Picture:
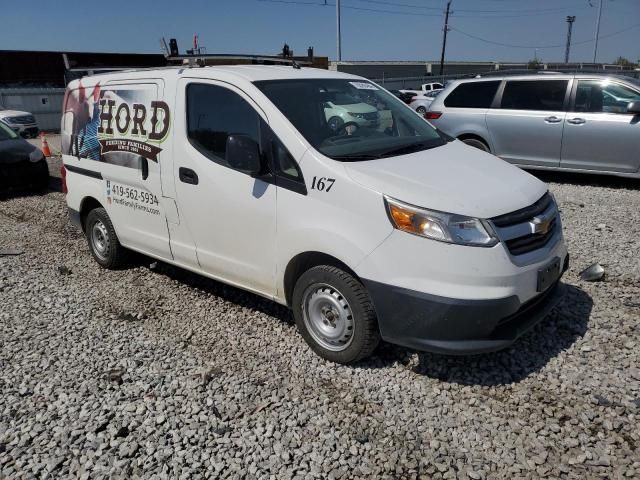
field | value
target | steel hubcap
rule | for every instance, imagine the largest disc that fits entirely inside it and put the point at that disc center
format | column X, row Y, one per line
column 100, row 239
column 328, row 317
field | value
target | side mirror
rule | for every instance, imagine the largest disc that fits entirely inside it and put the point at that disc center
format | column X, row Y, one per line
column 243, row 154
column 633, row 107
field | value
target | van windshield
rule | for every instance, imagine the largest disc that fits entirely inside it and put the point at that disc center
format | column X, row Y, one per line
column 351, row 120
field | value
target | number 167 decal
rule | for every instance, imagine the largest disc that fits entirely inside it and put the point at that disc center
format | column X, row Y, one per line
column 322, row 184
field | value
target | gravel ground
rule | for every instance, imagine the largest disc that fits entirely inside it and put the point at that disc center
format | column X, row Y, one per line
column 153, row 372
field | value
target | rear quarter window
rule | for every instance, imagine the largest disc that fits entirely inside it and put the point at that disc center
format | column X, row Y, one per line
column 473, row 95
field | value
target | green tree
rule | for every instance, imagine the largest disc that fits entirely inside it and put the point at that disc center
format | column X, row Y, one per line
column 534, row 64
column 623, row 61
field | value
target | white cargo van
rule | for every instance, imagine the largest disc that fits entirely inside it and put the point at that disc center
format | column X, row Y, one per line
column 390, row 230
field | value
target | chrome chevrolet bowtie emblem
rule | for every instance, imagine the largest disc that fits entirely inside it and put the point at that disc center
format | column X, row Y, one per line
column 541, row 224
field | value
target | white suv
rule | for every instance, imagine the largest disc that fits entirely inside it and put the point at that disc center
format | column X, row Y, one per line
column 23, row 123
column 342, row 109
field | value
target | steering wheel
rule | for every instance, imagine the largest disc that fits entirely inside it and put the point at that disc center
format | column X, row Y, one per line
column 343, row 128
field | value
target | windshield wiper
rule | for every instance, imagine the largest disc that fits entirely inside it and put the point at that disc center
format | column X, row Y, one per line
column 405, row 149
column 355, row 157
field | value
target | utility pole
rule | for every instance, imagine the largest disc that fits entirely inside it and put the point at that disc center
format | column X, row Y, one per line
column 444, row 39
column 595, row 46
column 570, row 20
column 339, row 39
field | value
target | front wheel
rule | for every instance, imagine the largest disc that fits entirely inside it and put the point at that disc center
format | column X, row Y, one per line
column 421, row 110
column 335, row 315
column 103, row 242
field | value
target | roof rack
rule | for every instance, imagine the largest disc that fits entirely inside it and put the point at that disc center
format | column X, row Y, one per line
column 201, row 60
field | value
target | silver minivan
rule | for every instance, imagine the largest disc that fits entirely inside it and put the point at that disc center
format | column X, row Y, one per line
column 583, row 123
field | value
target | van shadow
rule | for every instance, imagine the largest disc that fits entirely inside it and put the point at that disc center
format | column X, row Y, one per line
column 555, row 334
column 587, row 179
column 221, row 290
column 529, row 354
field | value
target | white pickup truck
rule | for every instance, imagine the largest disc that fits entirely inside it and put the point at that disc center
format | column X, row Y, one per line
column 425, row 88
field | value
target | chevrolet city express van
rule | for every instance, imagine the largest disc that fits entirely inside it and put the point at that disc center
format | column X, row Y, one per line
column 393, row 231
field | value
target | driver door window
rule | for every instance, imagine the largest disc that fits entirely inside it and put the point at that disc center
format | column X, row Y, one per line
column 598, row 96
column 214, row 113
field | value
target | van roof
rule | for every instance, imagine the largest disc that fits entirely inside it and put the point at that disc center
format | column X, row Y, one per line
column 249, row 73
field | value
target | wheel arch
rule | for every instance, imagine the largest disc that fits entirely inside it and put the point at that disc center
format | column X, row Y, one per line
column 87, row 204
column 475, row 136
column 303, row 262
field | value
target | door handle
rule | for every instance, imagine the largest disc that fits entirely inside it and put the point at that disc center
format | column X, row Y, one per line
column 576, row 121
column 553, row 119
column 187, row 175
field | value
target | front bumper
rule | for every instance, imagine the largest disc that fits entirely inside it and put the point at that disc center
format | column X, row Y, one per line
column 25, row 130
column 452, row 299
column 456, row 327
column 29, row 131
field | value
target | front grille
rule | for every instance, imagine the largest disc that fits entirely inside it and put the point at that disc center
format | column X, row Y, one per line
column 519, row 246
column 525, row 214
column 370, row 116
column 519, row 230
column 23, row 120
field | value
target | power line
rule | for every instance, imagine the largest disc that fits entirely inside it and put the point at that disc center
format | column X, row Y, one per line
column 542, row 46
column 468, row 10
column 350, row 7
column 398, row 12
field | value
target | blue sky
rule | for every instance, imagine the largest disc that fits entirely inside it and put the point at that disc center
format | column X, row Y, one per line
column 253, row 26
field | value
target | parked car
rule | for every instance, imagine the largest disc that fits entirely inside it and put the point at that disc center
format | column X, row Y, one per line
column 22, row 166
column 404, row 96
column 343, row 108
column 23, row 123
column 583, row 123
column 402, row 234
column 421, row 103
column 425, row 88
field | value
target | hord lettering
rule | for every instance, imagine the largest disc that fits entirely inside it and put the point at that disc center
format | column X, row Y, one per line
column 130, row 119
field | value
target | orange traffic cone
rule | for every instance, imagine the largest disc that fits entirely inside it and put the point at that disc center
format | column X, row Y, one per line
column 46, row 151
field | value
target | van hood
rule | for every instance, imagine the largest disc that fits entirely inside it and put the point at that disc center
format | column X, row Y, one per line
column 454, row 178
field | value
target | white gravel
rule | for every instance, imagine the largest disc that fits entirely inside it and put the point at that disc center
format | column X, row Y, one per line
column 158, row 373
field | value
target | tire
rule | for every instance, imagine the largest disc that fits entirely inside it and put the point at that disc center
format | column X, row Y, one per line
column 335, row 123
column 103, row 241
column 421, row 110
column 334, row 315
column 476, row 143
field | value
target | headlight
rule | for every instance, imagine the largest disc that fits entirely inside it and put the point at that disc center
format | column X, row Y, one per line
column 36, row 155
column 355, row 115
column 444, row 227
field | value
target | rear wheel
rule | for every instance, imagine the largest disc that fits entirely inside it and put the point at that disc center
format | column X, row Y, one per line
column 476, row 143
column 103, row 242
column 421, row 110
column 335, row 315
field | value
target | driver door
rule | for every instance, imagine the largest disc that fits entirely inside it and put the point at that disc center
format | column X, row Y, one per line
column 231, row 215
column 599, row 134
